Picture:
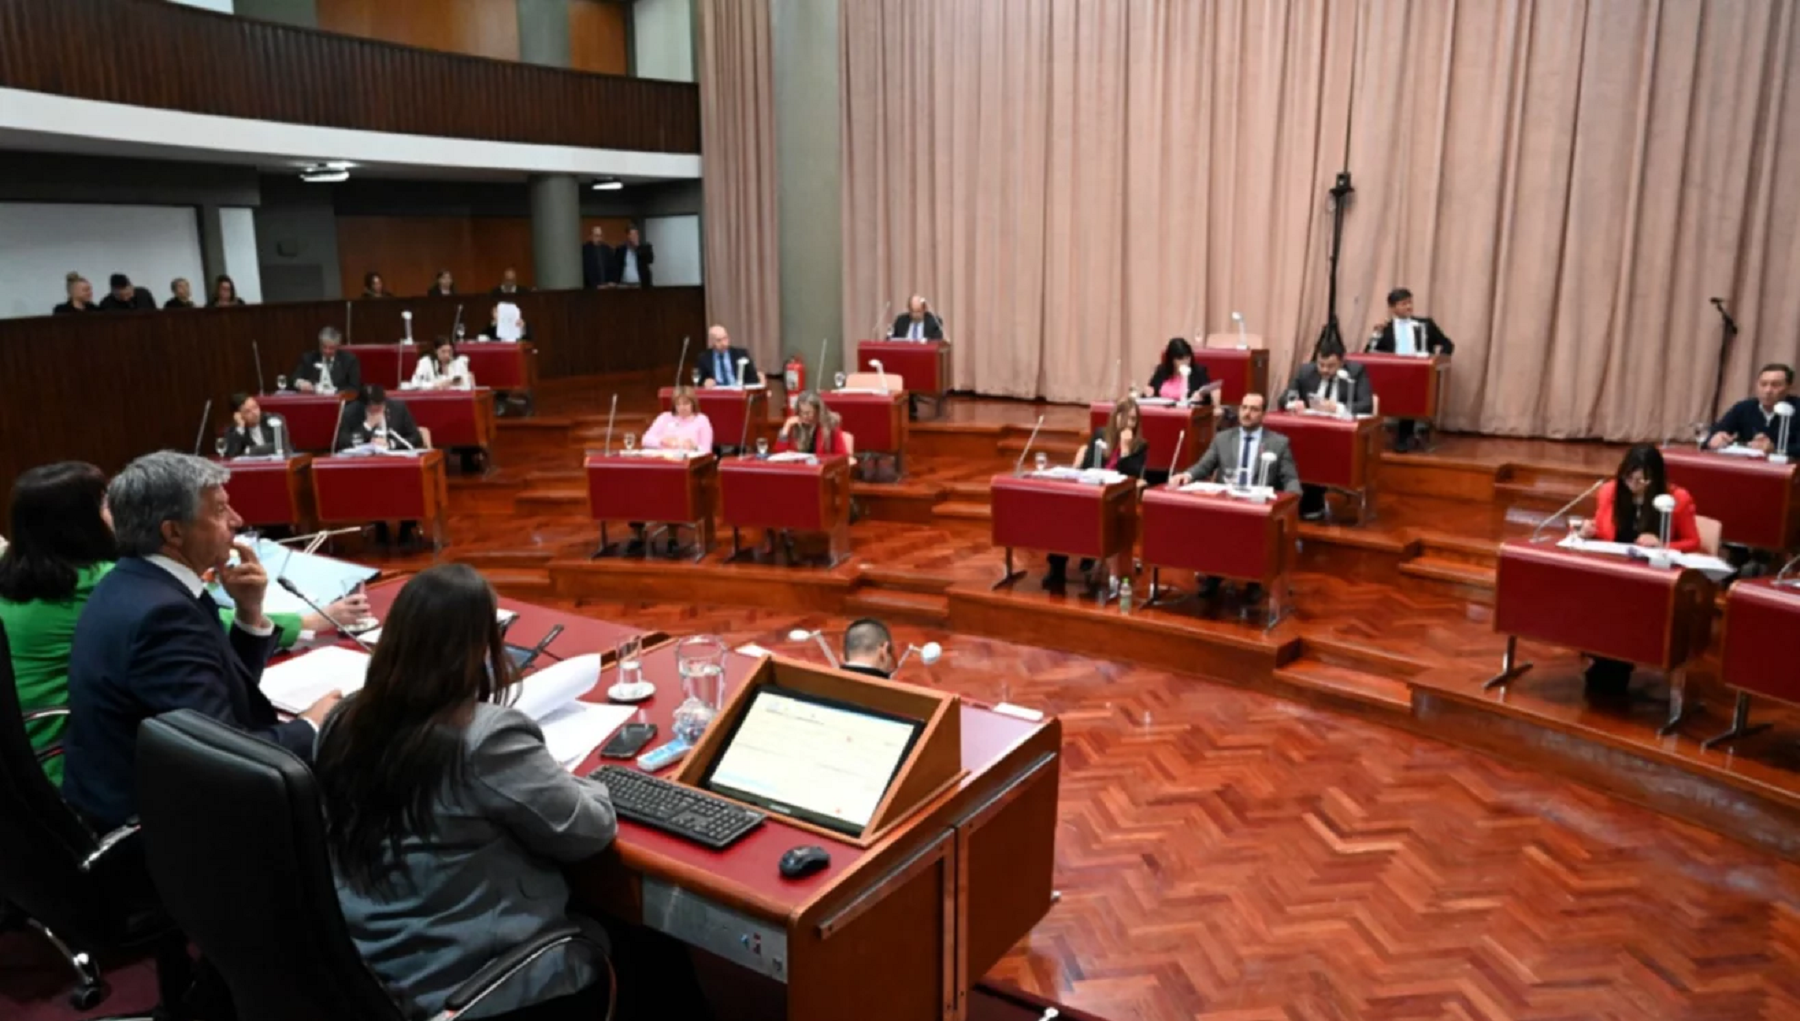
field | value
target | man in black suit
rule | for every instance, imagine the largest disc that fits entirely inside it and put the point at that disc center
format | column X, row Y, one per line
column 869, row 648
column 919, row 322
column 718, row 364
column 596, row 260
column 328, row 370
column 249, row 435
column 509, row 285
column 125, row 297
column 631, row 262
column 1406, row 334
column 379, row 422
column 1330, row 384
column 1755, row 421
column 149, row 640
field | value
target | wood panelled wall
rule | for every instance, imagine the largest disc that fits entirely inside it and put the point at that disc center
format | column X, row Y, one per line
column 408, row 251
column 158, row 54
column 481, row 28
column 110, row 386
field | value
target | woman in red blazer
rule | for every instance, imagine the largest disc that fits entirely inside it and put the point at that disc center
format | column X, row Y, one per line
column 1626, row 512
column 812, row 429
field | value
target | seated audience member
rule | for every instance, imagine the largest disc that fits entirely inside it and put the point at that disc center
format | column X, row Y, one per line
column 249, row 435
column 1752, row 422
column 442, row 286
column 682, row 428
column 448, row 820
column 1242, row 447
column 1406, row 335
column 65, row 546
column 596, row 260
column 329, row 369
column 126, row 298
column 182, row 294
column 224, row 293
column 1330, row 384
column 718, row 364
column 506, row 322
column 1625, row 511
column 1119, row 447
column 1166, row 381
column 813, row 430
column 149, row 640
column 869, row 648
column 631, row 262
column 80, row 296
column 374, row 286
column 509, row 284
column 918, row 323
column 378, row 422
column 443, row 369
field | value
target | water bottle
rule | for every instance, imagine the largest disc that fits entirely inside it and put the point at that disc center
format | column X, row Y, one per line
column 1125, row 597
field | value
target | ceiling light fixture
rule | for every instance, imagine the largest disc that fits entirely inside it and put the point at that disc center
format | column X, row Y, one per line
column 609, row 184
column 325, row 173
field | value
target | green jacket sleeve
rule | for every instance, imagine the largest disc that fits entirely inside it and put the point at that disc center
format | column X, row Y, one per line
column 287, row 625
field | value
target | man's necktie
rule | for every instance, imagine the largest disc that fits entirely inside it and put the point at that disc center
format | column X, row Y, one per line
column 1244, row 458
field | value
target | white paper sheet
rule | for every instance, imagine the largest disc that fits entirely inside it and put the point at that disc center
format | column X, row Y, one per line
column 297, row 683
column 573, row 732
column 556, row 685
column 1739, row 450
column 1711, row 566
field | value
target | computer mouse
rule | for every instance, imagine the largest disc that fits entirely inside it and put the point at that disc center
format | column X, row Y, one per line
column 804, row 860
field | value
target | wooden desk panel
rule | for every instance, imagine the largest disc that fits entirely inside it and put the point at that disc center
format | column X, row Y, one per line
column 1055, row 516
column 1408, row 386
column 1220, row 535
column 312, row 419
column 1756, row 503
column 357, row 490
column 923, row 365
column 878, row 422
column 1610, row 606
column 1336, row 452
column 1240, row 370
column 272, row 492
column 455, row 418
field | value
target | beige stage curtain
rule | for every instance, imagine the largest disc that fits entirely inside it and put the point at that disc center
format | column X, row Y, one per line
column 737, row 139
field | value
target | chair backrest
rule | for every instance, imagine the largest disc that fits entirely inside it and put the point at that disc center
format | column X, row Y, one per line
column 234, row 837
column 1253, row 341
column 874, row 381
column 1712, row 530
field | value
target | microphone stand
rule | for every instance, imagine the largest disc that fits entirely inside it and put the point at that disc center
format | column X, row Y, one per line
column 200, row 437
column 1564, row 509
column 606, row 447
column 680, row 363
column 1175, row 458
column 1340, row 192
column 1731, row 331
column 1019, row 465
column 257, row 352
column 285, row 582
column 744, row 437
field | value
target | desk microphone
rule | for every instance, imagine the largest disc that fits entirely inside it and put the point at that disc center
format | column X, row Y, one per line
column 744, row 437
column 1175, row 458
column 1567, row 507
column 349, row 322
column 200, row 437
column 1019, row 465
column 1785, row 412
column 400, row 363
column 929, row 653
column 1268, row 465
column 456, row 324
column 540, row 649
column 336, row 435
column 884, row 327
column 742, row 382
column 606, row 448
column 257, row 353
column 882, row 372
column 801, row 635
column 1243, row 341
column 287, row 583
column 406, row 317
column 1098, row 458
column 1665, row 508
column 1345, row 406
column 680, row 363
column 1781, row 575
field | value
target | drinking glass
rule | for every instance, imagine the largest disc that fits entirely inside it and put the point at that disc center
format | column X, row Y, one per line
column 1040, row 461
column 631, row 666
column 219, row 445
column 1575, row 524
column 694, row 375
column 700, row 660
column 280, row 383
column 838, row 380
column 762, row 446
column 630, row 442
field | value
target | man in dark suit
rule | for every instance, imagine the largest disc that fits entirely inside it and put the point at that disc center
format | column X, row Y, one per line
column 596, row 260
column 1406, row 334
column 328, row 370
column 919, row 322
column 125, row 297
column 379, row 422
column 249, row 435
column 1329, row 383
column 149, row 640
column 1754, row 421
column 631, row 262
column 1244, row 445
column 869, row 648
column 509, row 285
column 718, row 364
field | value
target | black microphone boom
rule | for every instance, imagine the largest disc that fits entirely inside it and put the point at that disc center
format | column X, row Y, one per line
column 287, row 583
column 200, row 437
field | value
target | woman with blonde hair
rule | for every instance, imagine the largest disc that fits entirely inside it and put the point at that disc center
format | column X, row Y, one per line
column 1118, row 446
column 814, row 429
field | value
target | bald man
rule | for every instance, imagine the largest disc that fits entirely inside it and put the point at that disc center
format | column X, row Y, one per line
column 919, row 322
column 718, row 364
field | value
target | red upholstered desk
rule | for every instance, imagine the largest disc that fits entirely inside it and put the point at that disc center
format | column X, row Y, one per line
column 790, row 496
column 1222, row 536
column 1762, row 619
column 727, row 408
column 580, row 635
column 1756, row 502
column 356, row 490
column 923, row 365
column 1163, row 426
column 1058, row 516
column 1336, row 452
column 272, row 492
column 455, row 418
column 495, row 364
column 642, row 487
column 1611, row 606
column 1408, row 386
column 312, row 419
column 877, row 421
column 1241, row 370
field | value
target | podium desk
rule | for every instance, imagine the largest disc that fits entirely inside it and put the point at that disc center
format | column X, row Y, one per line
column 788, row 496
column 1163, row 425
column 646, row 487
column 496, row 364
column 1755, row 502
column 1757, row 655
column 924, row 365
column 455, row 418
column 1061, row 516
column 267, row 492
column 728, row 408
column 383, row 487
column 1240, row 370
column 878, row 421
column 1337, row 452
column 1408, row 386
column 1222, row 536
column 312, row 419
column 896, row 931
column 1612, row 606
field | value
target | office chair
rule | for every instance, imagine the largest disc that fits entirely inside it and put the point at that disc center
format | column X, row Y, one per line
column 83, row 894
column 234, row 836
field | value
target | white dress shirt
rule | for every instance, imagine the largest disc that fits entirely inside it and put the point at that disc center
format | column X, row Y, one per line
column 628, row 270
column 1404, row 342
column 191, row 581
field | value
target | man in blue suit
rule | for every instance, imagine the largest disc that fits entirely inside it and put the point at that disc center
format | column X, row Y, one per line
column 149, row 639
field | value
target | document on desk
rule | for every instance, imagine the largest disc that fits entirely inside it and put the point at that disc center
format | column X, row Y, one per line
column 1711, row 566
column 572, row 728
column 297, row 683
column 323, row 579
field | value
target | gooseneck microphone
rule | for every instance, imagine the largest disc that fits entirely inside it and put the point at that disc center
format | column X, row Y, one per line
column 287, row 583
column 680, row 363
column 1565, row 508
column 200, row 437
column 1019, row 465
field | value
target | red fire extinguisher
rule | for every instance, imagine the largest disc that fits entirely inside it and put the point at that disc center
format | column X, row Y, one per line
column 794, row 379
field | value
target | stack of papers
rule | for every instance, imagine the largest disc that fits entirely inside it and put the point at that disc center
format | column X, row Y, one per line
column 296, row 684
column 791, row 457
column 1090, row 476
column 1739, row 450
column 660, row 454
column 1155, row 402
column 1711, row 566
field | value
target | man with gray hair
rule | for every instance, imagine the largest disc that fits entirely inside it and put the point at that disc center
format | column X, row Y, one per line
column 149, row 640
column 328, row 370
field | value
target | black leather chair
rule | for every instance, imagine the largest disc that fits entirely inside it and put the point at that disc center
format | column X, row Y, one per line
column 234, row 836
column 87, row 895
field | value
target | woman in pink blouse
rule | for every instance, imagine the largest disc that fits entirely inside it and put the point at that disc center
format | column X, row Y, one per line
column 685, row 428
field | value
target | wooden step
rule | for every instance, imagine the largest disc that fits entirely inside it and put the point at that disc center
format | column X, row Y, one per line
column 1351, row 655
column 505, row 560
column 906, row 579
column 520, row 583
column 1452, row 571
column 892, row 603
column 965, row 510
column 1459, row 549
column 551, row 499
column 1346, row 684
column 1059, row 444
column 969, row 492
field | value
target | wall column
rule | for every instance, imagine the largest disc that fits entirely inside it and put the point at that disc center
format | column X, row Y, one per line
column 808, row 179
column 556, row 231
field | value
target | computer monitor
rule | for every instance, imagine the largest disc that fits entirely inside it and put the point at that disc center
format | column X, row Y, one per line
column 819, row 760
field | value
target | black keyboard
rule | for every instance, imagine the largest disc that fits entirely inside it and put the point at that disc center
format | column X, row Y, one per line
column 706, row 820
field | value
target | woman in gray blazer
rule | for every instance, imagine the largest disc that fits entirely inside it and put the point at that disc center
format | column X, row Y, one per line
column 449, row 821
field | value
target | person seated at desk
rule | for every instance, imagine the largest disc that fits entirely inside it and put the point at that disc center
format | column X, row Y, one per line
column 1404, row 334
column 149, row 640
column 443, row 369
column 328, row 370
column 683, row 428
column 249, row 435
column 65, row 546
column 375, row 421
column 442, row 286
column 1752, row 422
column 224, row 293
column 1236, row 458
column 509, row 284
column 1625, row 511
column 80, row 295
column 1120, row 447
column 1166, row 381
column 1330, row 384
column 374, row 286
column 919, row 322
column 869, row 648
column 718, row 366
column 125, row 297
column 182, row 294
column 813, row 429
